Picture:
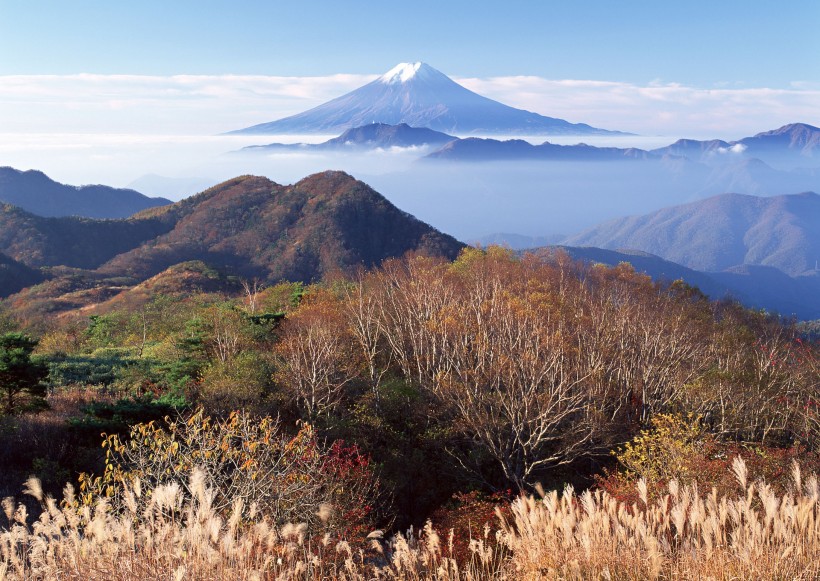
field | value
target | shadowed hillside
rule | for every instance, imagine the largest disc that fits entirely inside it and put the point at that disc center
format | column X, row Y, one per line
column 78, row 242
column 255, row 227
column 759, row 287
column 37, row 193
column 15, row 276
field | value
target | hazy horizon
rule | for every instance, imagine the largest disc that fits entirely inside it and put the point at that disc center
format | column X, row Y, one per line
column 116, row 94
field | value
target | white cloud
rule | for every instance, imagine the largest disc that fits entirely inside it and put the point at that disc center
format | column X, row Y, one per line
column 199, row 104
column 114, row 128
column 153, row 104
column 735, row 149
column 657, row 108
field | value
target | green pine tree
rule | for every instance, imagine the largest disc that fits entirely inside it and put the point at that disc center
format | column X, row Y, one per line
column 21, row 378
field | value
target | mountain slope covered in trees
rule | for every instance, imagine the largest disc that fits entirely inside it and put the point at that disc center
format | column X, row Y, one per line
column 255, row 227
column 249, row 227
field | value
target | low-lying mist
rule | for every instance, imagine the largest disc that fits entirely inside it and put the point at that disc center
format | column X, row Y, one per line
column 467, row 200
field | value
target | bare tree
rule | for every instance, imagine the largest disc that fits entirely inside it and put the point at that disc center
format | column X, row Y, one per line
column 252, row 289
column 316, row 356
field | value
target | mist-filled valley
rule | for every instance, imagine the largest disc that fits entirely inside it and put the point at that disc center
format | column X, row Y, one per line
column 466, row 199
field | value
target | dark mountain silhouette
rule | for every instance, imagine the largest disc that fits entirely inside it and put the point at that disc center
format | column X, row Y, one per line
column 421, row 96
column 477, row 149
column 722, row 232
column 373, row 136
column 755, row 286
column 35, row 192
column 790, row 146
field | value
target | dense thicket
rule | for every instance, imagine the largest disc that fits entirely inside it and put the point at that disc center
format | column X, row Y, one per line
column 488, row 373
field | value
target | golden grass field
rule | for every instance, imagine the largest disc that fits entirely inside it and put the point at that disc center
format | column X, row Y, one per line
column 165, row 534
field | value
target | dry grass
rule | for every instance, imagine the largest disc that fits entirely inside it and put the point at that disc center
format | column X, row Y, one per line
column 684, row 535
column 162, row 534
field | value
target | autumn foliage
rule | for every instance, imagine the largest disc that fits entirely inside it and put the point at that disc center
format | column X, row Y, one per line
column 450, row 390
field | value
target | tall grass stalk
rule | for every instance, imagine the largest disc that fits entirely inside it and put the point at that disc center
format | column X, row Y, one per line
column 165, row 533
column 686, row 534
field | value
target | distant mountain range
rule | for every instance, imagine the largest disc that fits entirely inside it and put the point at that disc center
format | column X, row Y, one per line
column 696, row 168
column 516, row 241
column 763, row 251
column 478, row 149
column 722, row 232
column 248, row 226
column 755, row 286
column 367, row 137
column 790, row 146
column 35, row 192
column 420, row 96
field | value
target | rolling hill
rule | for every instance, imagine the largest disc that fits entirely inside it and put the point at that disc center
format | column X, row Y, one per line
column 35, row 192
column 248, row 226
column 722, row 232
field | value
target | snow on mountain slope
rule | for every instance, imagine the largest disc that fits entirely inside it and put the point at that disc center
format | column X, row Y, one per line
column 421, row 96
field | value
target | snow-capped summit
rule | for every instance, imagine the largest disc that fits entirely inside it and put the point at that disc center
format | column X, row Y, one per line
column 420, row 96
column 400, row 73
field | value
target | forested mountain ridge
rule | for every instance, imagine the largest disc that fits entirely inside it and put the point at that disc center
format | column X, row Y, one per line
column 247, row 226
column 256, row 227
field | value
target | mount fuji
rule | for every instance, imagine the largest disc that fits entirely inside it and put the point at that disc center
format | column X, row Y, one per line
column 420, row 96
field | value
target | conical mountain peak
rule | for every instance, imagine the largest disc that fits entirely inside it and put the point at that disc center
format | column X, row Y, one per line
column 420, row 96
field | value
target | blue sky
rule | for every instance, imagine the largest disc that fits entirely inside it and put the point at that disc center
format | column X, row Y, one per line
column 703, row 44
column 103, row 91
